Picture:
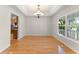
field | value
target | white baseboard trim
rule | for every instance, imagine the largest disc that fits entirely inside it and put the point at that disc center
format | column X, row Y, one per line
column 67, row 45
column 38, row 35
column 4, row 49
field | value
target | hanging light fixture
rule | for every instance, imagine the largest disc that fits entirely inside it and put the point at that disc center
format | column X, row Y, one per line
column 38, row 12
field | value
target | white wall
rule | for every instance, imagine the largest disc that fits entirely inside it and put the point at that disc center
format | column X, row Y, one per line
column 41, row 26
column 5, row 15
column 21, row 21
column 64, row 12
column 4, row 27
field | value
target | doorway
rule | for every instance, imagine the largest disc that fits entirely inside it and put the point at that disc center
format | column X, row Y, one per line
column 14, row 27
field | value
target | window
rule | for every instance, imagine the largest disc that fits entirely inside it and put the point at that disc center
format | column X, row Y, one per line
column 61, row 24
column 69, row 25
column 73, row 26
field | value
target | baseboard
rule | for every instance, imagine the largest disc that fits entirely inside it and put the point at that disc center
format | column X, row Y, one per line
column 21, row 37
column 68, row 46
column 38, row 35
column 4, row 49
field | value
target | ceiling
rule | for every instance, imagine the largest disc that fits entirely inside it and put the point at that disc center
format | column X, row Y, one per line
column 48, row 10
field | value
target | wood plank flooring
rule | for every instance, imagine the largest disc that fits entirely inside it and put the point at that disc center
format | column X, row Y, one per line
column 36, row 45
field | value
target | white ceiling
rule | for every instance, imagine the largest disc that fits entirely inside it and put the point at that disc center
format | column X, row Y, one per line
column 48, row 10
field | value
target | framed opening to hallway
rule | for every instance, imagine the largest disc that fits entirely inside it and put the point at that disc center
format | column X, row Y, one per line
column 14, row 26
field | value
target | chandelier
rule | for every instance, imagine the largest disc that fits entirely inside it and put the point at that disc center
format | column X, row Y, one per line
column 38, row 12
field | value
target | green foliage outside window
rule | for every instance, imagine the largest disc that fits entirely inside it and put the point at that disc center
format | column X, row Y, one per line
column 62, row 25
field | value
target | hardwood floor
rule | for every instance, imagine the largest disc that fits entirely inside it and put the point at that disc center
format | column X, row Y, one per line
column 36, row 45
